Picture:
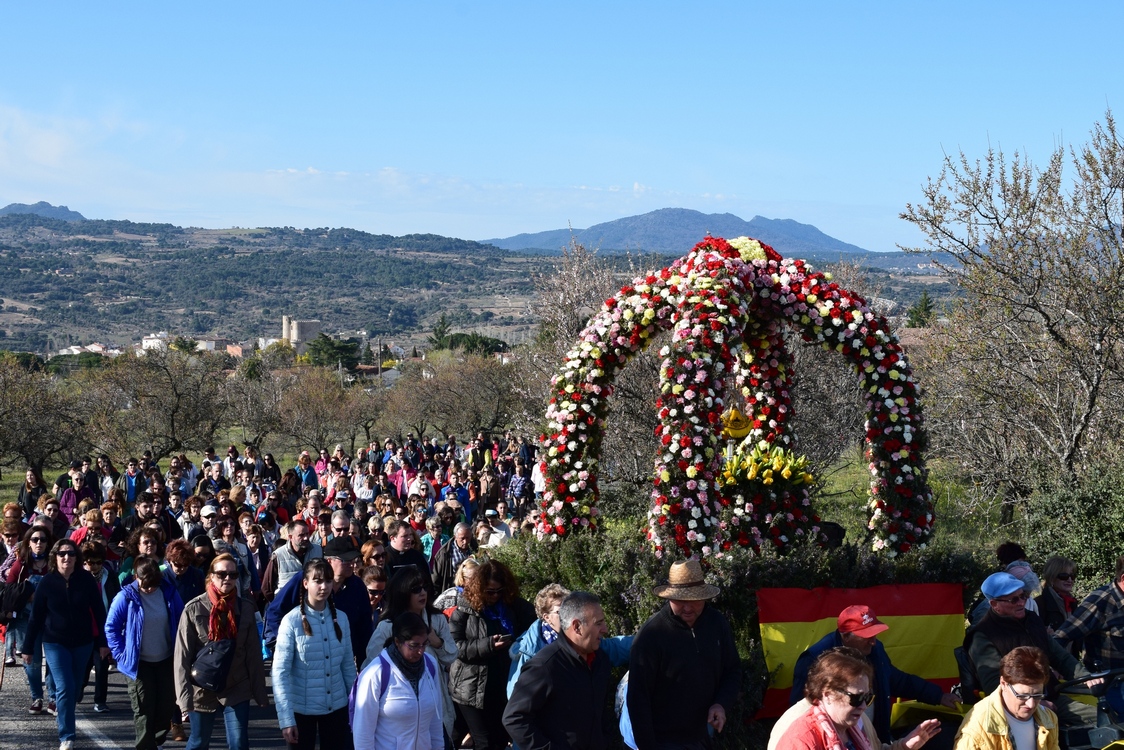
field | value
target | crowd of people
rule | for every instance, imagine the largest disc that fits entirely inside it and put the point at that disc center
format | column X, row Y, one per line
column 363, row 587
column 362, row 584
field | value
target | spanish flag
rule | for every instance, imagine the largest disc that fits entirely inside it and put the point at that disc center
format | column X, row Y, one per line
column 926, row 622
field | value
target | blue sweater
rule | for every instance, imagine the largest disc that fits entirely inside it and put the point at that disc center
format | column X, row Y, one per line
column 889, row 681
column 125, row 624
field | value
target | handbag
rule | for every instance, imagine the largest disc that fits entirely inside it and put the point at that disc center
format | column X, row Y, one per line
column 212, row 662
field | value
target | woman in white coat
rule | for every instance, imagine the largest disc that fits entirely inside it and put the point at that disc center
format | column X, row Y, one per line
column 406, row 592
column 313, row 666
column 397, row 698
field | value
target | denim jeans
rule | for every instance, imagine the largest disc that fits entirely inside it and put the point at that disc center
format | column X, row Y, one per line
column 68, row 665
column 237, row 721
column 34, row 670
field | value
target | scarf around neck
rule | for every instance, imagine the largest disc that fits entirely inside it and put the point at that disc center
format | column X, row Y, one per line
column 411, row 671
column 221, row 625
column 829, row 736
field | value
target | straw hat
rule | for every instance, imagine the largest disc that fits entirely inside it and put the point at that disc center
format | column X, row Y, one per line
column 685, row 583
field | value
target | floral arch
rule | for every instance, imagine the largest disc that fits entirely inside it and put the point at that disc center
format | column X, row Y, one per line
column 724, row 482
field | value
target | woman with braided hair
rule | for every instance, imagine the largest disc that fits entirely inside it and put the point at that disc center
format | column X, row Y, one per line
column 217, row 615
column 313, row 666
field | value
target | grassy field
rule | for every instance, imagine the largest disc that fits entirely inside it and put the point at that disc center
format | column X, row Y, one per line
column 962, row 515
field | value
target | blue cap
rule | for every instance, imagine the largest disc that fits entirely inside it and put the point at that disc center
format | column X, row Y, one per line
column 1000, row 584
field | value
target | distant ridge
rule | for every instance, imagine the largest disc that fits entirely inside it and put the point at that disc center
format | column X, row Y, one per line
column 42, row 208
column 676, row 230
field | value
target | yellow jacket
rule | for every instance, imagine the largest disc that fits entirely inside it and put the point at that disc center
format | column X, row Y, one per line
column 985, row 727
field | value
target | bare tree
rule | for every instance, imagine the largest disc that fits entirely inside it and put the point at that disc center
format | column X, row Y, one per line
column 166, row 401
column 313, row 409
column 40, row 418
column 1025, row 374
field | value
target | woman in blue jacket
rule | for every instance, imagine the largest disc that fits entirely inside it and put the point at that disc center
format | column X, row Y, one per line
column 313, row 666
column 141, row 630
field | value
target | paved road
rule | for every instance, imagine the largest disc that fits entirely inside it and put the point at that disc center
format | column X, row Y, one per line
column 112, row 730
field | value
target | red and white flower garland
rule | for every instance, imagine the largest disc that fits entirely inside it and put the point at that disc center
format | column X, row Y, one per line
column 717, row 296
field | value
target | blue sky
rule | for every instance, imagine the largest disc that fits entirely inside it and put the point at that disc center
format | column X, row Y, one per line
column 488, row 119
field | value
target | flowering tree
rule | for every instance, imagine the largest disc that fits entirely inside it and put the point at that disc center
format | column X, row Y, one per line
column 718, row 299
column 1025, row 379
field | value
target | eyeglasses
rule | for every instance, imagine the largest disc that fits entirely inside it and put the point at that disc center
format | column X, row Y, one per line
column 225, row 574
column 337, row 530
column 1021, row 597
column 67, row 553
column 858, row 699
column 414, row 646
column 493, row 592
column 1025, row 697
column 1065, row 576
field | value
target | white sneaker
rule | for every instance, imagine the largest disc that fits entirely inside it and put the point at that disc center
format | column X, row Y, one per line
column 66, row 745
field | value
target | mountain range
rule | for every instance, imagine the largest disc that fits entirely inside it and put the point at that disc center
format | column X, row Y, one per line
column 676, row 230
column 42, row 208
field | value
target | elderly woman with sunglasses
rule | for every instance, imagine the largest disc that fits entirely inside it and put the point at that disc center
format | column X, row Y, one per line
column 66, row 607
column 831, row 716
column 1056, row 602
column 219, row 614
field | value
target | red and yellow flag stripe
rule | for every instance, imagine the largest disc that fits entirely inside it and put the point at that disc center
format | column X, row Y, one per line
column 926, row 622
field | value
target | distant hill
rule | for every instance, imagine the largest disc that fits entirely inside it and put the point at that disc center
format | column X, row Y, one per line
column 676, row 230
column 42, row 208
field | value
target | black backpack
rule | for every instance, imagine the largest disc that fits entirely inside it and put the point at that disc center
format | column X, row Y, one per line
column 212, row 663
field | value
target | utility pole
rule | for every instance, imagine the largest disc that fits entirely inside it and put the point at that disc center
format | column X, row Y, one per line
column 378, row 357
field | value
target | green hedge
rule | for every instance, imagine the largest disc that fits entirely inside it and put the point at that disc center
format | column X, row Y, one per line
column 1080, row 519
column 619, row 566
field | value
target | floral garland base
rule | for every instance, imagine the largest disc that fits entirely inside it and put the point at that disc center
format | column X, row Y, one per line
column 725, row 303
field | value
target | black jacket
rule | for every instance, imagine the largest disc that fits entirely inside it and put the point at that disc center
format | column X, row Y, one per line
column 559, row 701
column 444, row 573
column 396, row 560
column 677, row 673
column 69, row 613
column 478, row 661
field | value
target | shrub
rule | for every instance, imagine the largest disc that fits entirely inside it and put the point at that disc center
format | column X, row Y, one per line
column 1080, row 519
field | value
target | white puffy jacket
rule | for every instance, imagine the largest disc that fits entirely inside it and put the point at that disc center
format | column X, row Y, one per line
column 312, row 674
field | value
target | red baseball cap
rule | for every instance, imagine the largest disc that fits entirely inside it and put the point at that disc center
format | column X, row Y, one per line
column 860, row 620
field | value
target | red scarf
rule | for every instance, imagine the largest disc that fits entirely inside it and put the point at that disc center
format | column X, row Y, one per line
column 222, row 624
column 829, row 735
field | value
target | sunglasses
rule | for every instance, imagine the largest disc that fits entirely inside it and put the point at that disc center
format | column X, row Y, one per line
column 1065, row 576
column 494, row 592
column 67, row 553
column 375, row 592
column 225, row 574
column 1015, row 599
column 1024, row 697
column 379, row 556
column 417, row 589
column 859, row 699
column 38, row 540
